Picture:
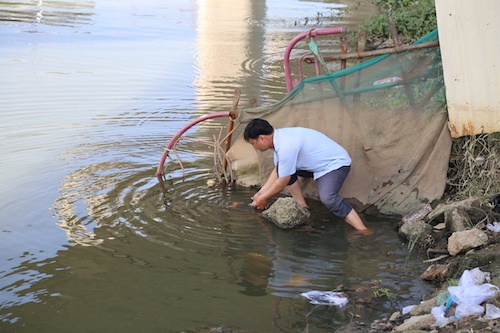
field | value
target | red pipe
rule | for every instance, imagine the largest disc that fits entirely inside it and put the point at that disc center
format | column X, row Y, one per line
column 311, row 33
column 173, row 141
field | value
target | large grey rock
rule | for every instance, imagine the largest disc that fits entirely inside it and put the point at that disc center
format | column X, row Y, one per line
column 286, row 213
column 462, row 241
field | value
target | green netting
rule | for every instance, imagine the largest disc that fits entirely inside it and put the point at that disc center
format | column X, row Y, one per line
column 388, row 112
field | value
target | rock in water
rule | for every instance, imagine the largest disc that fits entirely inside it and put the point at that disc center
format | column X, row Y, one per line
column 286, row 213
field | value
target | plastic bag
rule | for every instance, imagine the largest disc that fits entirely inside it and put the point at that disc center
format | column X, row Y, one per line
column 407, row 309
column 495, row 226
column 471, row 292
column 473, row 277
column 465, row 310
column 326, row 298
column 492, row 312
column 438, row 312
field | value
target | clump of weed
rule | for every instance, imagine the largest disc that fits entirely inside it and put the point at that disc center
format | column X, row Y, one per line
column 412, row 18
column 474, row 168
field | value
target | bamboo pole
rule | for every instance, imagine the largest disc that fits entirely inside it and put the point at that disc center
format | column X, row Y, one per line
column 233, row 114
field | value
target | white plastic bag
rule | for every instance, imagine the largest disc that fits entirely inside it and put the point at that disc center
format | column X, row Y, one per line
column 407, row 309
column 466, row 310
column 438, row 312
column 473, row 277
column 471, row 292
column 326, row 298
column 492, row 312
column 495, row 226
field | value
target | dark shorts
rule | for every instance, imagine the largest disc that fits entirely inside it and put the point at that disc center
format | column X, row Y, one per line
column 328, row 187
column 301, row 173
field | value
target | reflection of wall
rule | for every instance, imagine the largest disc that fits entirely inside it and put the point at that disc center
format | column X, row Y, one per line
column 230, row 36
column 60, row 13
column 222, row 38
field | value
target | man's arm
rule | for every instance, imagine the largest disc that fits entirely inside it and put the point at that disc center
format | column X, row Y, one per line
column 273, row 186
column 270, row 180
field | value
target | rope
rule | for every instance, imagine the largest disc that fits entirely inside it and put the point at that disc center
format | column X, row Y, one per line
column 314, row 49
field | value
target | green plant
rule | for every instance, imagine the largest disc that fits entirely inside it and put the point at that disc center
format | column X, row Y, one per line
column 321, row 18
column 412, row 242
column 378, row 291
column 412, row 18
column 452, row 282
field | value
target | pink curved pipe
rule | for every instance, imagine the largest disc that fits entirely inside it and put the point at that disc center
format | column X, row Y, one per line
column 175, row 138
column 288, row 50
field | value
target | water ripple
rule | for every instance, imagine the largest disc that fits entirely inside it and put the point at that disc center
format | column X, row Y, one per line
column 67, row 14
column 106, row 203
column 114, row 197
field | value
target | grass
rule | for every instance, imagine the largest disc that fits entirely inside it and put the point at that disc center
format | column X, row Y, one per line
column 474, row 168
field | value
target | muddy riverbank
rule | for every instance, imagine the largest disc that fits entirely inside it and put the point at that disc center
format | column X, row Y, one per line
column 455, row 238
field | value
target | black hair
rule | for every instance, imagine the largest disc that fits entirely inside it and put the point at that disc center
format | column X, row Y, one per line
column 257, row 127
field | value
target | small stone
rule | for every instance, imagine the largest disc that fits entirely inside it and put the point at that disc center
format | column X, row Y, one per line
column 416, row 323
column 424, row 307
column 456, row 219
column 415, row 228
column 440, row 226
column 435, row 272
column 395, row 316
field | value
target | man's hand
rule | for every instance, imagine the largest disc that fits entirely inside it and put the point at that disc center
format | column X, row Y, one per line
column 259, row 202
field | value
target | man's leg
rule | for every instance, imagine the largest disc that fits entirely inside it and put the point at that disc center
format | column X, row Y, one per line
column 353, row 219
column 296, row 193
column 328, row 187
column 295, row 189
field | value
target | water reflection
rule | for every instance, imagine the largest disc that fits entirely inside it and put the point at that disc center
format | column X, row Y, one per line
column 229, row 34
column 47, row 12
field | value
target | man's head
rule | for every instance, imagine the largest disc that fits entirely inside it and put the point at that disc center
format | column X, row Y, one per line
column 259, row 133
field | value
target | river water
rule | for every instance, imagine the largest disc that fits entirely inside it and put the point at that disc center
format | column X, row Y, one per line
column 91, row 93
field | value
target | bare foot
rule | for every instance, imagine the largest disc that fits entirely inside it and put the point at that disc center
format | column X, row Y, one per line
column 355, row 233
column 366, row 232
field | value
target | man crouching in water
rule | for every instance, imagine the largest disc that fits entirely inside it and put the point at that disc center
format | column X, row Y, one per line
column 304, row 152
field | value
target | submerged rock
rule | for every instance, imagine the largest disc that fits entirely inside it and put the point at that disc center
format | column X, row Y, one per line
column 286, row 213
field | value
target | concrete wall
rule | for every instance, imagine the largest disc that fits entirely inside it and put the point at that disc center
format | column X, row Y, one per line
column 469, row 36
